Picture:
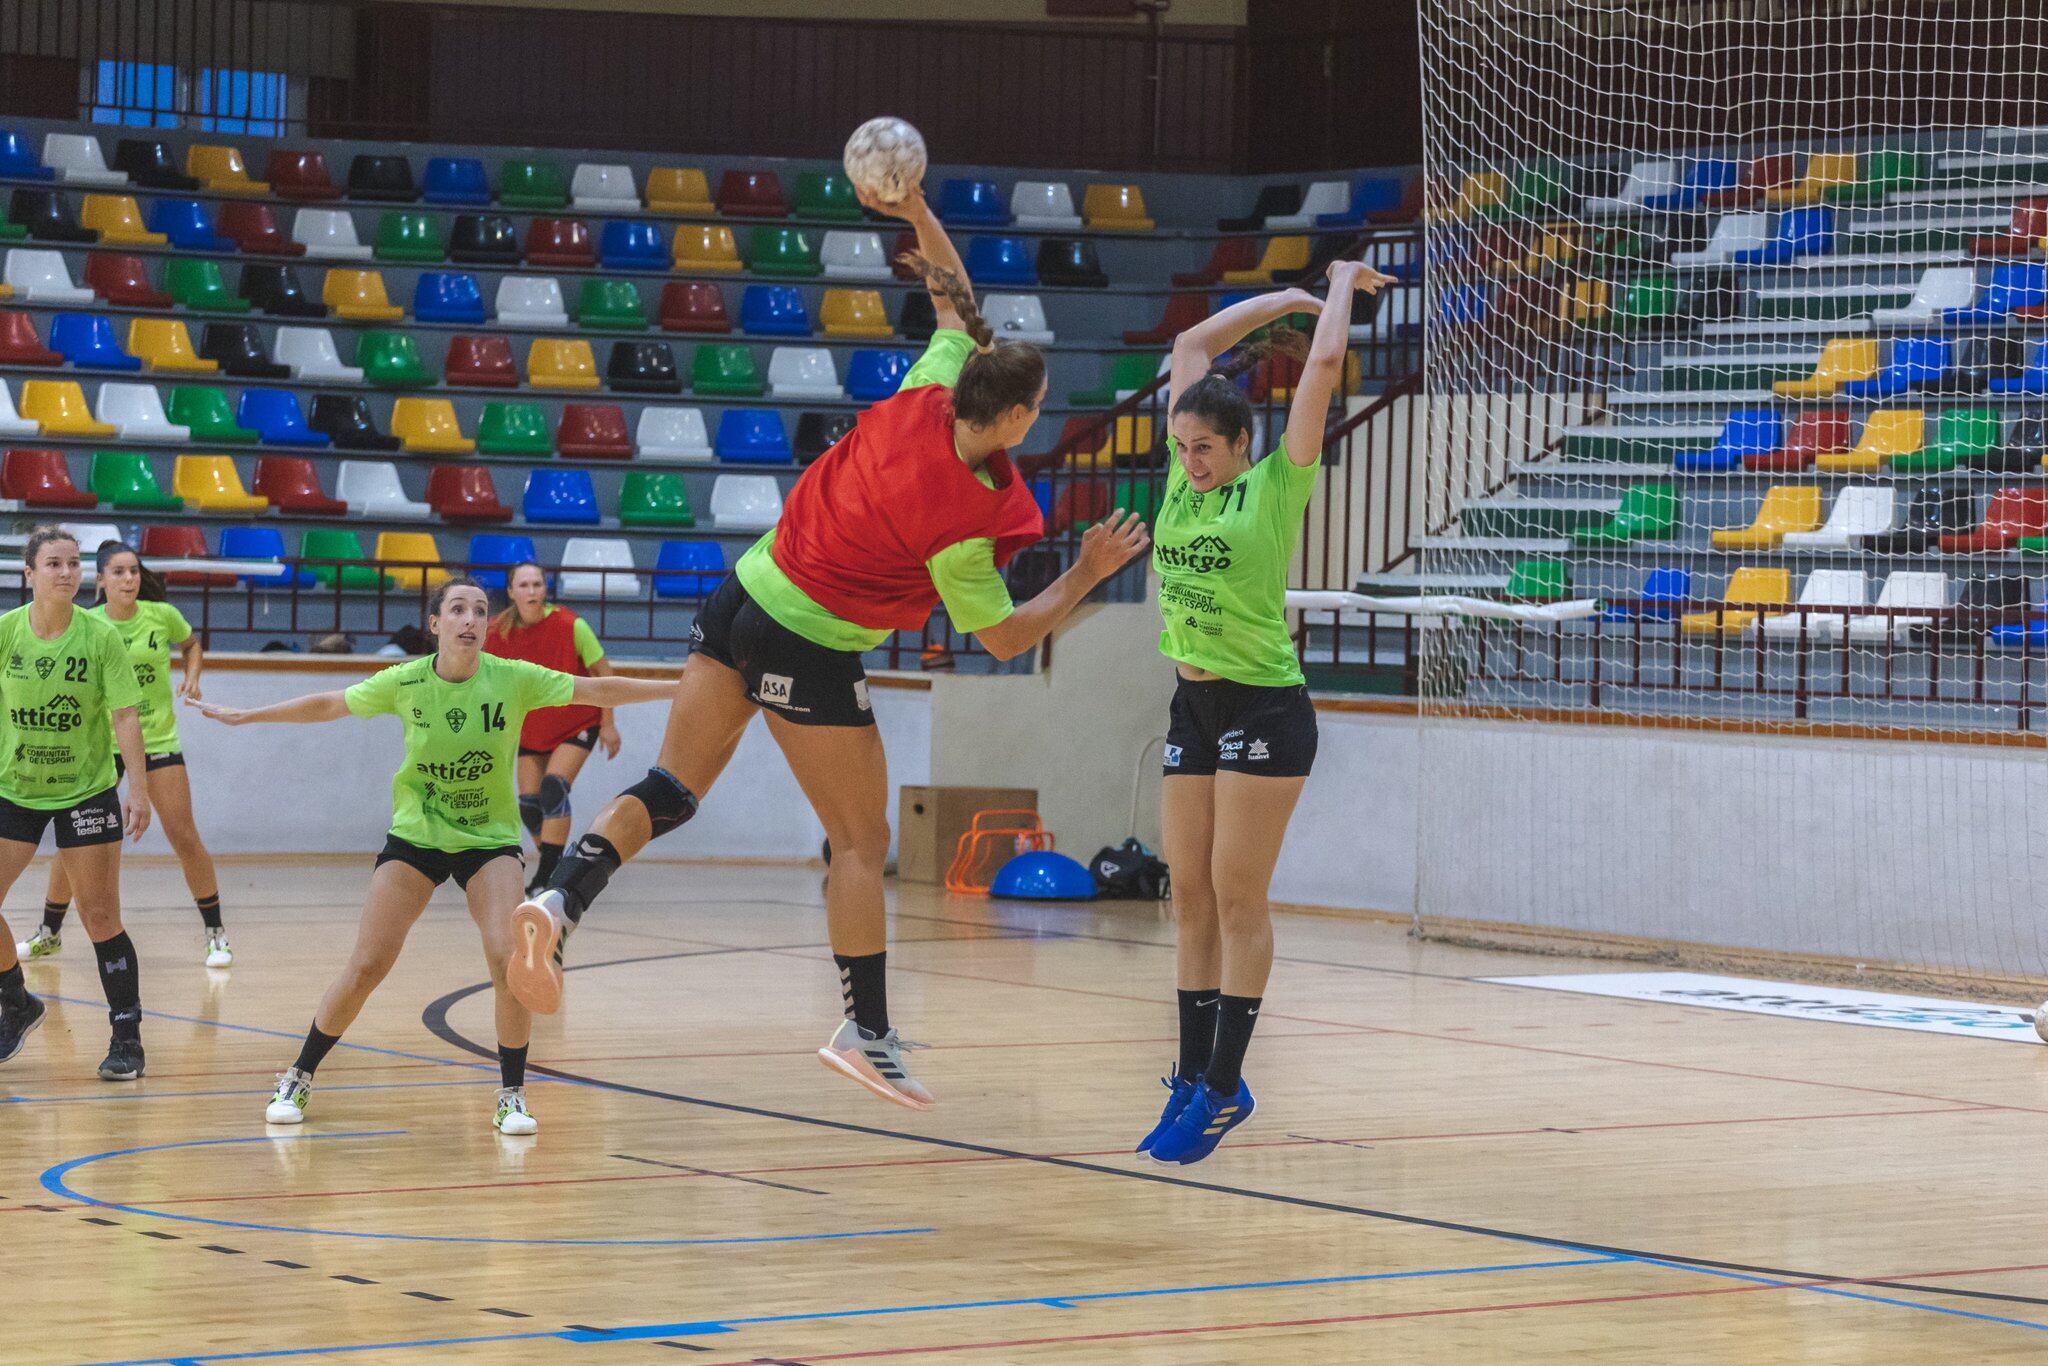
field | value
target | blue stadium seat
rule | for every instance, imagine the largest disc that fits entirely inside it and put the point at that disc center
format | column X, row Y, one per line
column 188, row 224
column 2031, row 380
column 1372, row 194
column 274, row 414
column 2010, row 288
column 1000, row 261
column 88, row 339
column 261, row 543
column 496, row 548
column 562, row 497
column 1665, row 591
column 1799, row 232
column 774, row 311
column 448, row 296
column 1462, row 305
column 1750, row 431
column 754, row 436
column 1711, row 176
column 1914, row 363
column 975, row 202
column 455, row 180
column 689, row 569
column 629, row 245
column 873, row 375
column 19, row 159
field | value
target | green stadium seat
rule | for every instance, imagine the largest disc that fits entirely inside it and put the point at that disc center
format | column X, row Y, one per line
column 728, row 370
column 655, row 498
column 611, row 303
column 409, row 237
column 1647, row 512
column 1540, row 580
column 1131, row 371
column 532, row 185
column 513, row 429
column 827, row 194
column 207, row 411
column 782, row 251
column 1962, row 436
column 1878, row 174
column 335, row 543
column 125, row 479
column 197, row 283
column 392, row 360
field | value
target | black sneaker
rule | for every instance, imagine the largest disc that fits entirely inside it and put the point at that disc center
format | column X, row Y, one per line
column 124, row 1060
column 16, row 1025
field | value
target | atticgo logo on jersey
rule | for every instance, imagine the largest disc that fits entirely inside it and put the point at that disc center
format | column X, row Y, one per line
column 860, row 694
column 1256, row 751
column 1173, row 756
column 455, row 716
column 775, row 689
column 471, row 767
column 1202, row 555
column 60, row 713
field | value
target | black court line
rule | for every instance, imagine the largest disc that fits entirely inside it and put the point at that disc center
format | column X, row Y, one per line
column 423, row 1295
column 729, row 1176
column 435, row 1018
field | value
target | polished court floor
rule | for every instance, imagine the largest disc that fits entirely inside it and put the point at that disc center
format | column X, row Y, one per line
column 1440, row 1170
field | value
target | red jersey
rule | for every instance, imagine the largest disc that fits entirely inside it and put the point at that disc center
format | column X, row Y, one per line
column 551, row 643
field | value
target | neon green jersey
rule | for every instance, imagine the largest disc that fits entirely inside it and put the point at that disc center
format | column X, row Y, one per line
column 56, row 696
column 150, row 635
column 457, row 789
column 1222, row 559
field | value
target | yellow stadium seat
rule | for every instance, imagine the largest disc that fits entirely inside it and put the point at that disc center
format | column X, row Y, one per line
column 165, row 346
column 1841, row 360
column 561, row 363
column 211, row 482
column 678, row 189
column 1585, row 304
column 1770, row 587
column 359, row 294
column 396, row 549
column 59, row 405
column 1555, row 249
column 220, row 169
column 119, row 220
column 1481, row 191
column 428, row 425
column 1885, row 434
column 855, row 313
column 702, row 247
column 1126, row 439
column 1788, row 507
column 1824, row 171
column 1281, row 253
column 1116, row 208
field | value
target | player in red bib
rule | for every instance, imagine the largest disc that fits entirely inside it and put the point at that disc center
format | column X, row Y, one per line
column 556, row 740
column 919, row 504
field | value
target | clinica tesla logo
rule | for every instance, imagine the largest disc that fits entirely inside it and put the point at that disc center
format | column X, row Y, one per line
column 1202, row 555
column 61, row 713
column 471, row 767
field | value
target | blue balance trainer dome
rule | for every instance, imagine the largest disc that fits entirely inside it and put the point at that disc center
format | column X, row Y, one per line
column 1044, row 876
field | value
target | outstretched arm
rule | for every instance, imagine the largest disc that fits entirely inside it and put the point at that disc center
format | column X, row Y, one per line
column 1196, row 349
column 1106, row 547
column 1309, row 414
column 611, row 690
column 319, row 706
column 932, row 243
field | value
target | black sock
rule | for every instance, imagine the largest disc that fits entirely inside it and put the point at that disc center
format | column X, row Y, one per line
column 864, row 988
column 316, row 1049
column 13, row 991
column 53, row 915
column 583, row 873
column 1234, row 1022
column 1197, row 1030
column 209, row 910
column 550, row 856
column 121, row 979
column 512, row 1065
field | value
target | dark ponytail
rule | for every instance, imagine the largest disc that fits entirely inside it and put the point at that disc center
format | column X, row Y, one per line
column 999, row 376
column 153, row 587
column 1217, row 400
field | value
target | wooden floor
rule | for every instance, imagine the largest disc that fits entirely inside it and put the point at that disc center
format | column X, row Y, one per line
column 1441, row 1170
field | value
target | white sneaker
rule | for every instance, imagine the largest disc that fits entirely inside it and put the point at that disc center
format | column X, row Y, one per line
column 41, row 944
column 533, row 974
column 876, row 1064
column 513, row 1117
column 219, row 953
column 288, row 1101
column 2040, row 1019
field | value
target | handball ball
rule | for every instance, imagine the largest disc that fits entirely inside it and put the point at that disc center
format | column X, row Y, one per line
column 885, row 157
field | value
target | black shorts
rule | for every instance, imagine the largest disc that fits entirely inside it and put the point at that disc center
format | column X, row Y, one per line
column 1220, row 726
column 170, row 758
column 797, row 679
column 585, row 739
column 96, row 820
column 438, row 865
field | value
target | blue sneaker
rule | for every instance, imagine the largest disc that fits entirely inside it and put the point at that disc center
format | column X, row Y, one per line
column 1179, row 1091
column 1201, row 1126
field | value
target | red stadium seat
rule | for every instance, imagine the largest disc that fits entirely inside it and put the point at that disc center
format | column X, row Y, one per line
column 1080, row 503
column 1229, row 253
column 1758, row 177
column 254, row 228
column 123, row 281
column 485, row 361
column 594, row 430
column 299, row 175
column 182, row 543
column 2029, row 225
column 293, row 487
column 19, row 344
column 559, row 242
column 1182, row 312
column 465, row 493
column 694, row 308
column 42, row 479
column 1811, row 436
column 2014, row 512
column 751, row 194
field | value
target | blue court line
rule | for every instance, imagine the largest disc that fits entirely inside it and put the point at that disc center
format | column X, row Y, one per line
column 54, row 1182
column 1841, row 1292
column 707, row 1327
column 132, row 1096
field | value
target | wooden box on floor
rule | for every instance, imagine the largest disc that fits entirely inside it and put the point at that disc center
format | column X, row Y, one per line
column 931, row 820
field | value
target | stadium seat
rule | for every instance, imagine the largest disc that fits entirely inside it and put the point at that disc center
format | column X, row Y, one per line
column 274, row 415
column 87, row 340
column 1116, row 208
column 1970, row 437
column 1017, row 317
column 206, row 412
column 1227, row 255
column 672, row 434
column 689, row 569
column 1785, row 508
column 1915, row 591
column 58, row 408
column 693, row 307
column 531, row 301
column 198, row 285
column 972, row 203
column 411, row 238
column 774, row 311
column 310, row 354
column 751, row 194
column 611, row 304
column 41, row 277
column 1914, row 363
column 262, row 543
column 1941, row 289
column 559, row 242
column 559, row 363
column 604, row 187
column 817, row 433
column 1271, row 200
column 854, row 256
column 135, row 411
column 1071, row 262
column 448, row 296
column 1282, row 255
column 2020, row 288
column 182, row 543
column 802, row 372
column 123, row 281
column 1860, row 510
column 561, row 497
column 47, row 218
column 255, row 231
column 148, row 163
column 1000, row 261
column 919, row 317
column 340, row 546
column 1331, row 198
column 679, row 189
column 299, row 175
column 1797, row 233
column 1748, row 585
column 1825, row 172
column 1182, row 312
column 483, row 361
column 625, row 244
column 117, row 218
column 643, row 367
column 455, row 180
column 2031, row 379
column 532, row 185
column 2013, row 513
column 854, row 313
column 1936, row 511
column 1887, row 435
column 782, row 251
column 1043, row 205
column 1646, row 180
column 655, row 498
column 496, row 548
column 754, row 436
column 220, row 170
column 873, row 375
column 1528, row 580
column 2022, row 236
column 371, row 488
column 728, row 370
column 598, row 567
column 429, row 426
column 1754, row 180
column 41, row 479
column 76, row 159
column 705, row 249
column 483, row 239
column 1733, row 233
column 594, row 431
column 275, row 289
column 1647, row 512
column 1749, row 432
column 1122, row 375
column 828, row 195
column 513, row 429
column 349, row 424
column 19, row 344
column 211, row 483
column 1880, row 173
column 1842, row 360
column 293, row 487
column 465, row 493
column 328, row 234
column 745, row 502
column 412, row 559
column 1823, row 588
column 392, row 360
column 1810, row 436
column 1664, row 590
column 381, row 177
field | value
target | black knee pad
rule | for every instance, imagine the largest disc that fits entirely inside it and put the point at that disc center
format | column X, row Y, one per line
column 554, row 797
column 530, row 813
column 668, row 802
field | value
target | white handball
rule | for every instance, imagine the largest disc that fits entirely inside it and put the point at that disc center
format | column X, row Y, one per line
column 885, row 157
